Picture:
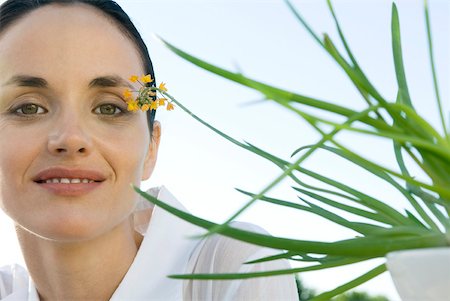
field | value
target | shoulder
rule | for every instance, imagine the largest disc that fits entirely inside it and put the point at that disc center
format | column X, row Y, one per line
column 13, row 279
column 221, row 254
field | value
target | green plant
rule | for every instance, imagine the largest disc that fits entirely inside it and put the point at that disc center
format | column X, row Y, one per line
column 386, row 229
column 359, row 296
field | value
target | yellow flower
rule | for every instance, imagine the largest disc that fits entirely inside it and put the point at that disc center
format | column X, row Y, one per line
column 133, row 78
column 154, row 105
column 144, row 100
column 162, row 86
column 145, row 108
column 133, row 105
column 127, row 94
column 162, row 101
column 146, row 79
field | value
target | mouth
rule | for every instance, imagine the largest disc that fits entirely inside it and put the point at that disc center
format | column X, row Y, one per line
column 69, row 182
column 64, row 175
column 66, row 181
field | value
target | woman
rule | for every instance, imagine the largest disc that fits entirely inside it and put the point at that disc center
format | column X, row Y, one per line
column 70, row 149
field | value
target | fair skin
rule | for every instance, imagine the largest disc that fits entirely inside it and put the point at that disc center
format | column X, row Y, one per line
column 75, row 248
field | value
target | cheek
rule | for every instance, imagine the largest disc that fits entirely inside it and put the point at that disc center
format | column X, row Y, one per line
column 125, row 150
column 17, row 150
column 129, row 158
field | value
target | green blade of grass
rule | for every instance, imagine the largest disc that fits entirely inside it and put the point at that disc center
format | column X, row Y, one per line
column 426, row 127
column 435, row 167
column 351, row 284
column 284, row 255
column 362, row 228
column 373, row 216
column 398, row 58
column 350, row 209
column 362, row 77
column 433, row 69
column 303, row 22
column 400, row 231
column 414, row 218
column 272, row 158
column 431, row 165
column 404, row 170
column 230, row 276
column 296, row 256
column 356, row 77
column 431, row 202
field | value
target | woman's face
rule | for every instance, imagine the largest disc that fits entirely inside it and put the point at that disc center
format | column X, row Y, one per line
column 69, row 118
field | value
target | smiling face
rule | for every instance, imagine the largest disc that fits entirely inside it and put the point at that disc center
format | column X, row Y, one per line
column 61, row 106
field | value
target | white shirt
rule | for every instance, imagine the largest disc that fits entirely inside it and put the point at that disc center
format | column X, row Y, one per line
column 165, row 250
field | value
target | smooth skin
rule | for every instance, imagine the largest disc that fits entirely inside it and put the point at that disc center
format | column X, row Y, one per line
column 75, row 248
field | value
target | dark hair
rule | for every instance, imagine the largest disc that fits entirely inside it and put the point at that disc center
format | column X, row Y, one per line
column 13, row 10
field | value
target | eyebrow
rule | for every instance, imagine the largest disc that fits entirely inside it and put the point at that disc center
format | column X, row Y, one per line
column 27, row 81
column 38, row 82
column 109, row 81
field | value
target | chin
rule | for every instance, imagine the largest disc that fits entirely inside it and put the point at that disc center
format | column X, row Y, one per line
column 67, row 230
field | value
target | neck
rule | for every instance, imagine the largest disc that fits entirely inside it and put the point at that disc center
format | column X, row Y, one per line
column 88, row 270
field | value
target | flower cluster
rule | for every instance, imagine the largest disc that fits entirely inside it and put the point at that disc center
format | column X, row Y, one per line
column 144, row 101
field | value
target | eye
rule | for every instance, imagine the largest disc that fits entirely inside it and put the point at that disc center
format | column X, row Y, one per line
column 30, row 109
column 109, row 109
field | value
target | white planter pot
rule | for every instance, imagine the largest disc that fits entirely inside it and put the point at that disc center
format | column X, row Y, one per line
column 422, row 274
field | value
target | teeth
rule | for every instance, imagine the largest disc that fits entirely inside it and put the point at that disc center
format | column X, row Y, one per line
column 68, row 181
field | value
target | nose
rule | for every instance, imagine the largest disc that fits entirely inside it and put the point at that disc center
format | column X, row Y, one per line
column 69, row 138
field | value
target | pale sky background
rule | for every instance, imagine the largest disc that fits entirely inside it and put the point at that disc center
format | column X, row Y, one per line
column 265, row 41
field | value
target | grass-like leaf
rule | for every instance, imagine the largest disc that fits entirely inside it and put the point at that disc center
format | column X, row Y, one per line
column 433, row 69
column 398, row 58
column 230, row 276
column 351, row 284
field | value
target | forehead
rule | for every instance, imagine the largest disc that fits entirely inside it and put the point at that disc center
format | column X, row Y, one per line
column 67, row 41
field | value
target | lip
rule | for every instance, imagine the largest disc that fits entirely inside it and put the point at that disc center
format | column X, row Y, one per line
column 63, row 172
column 75, row 189
column 70, row 189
